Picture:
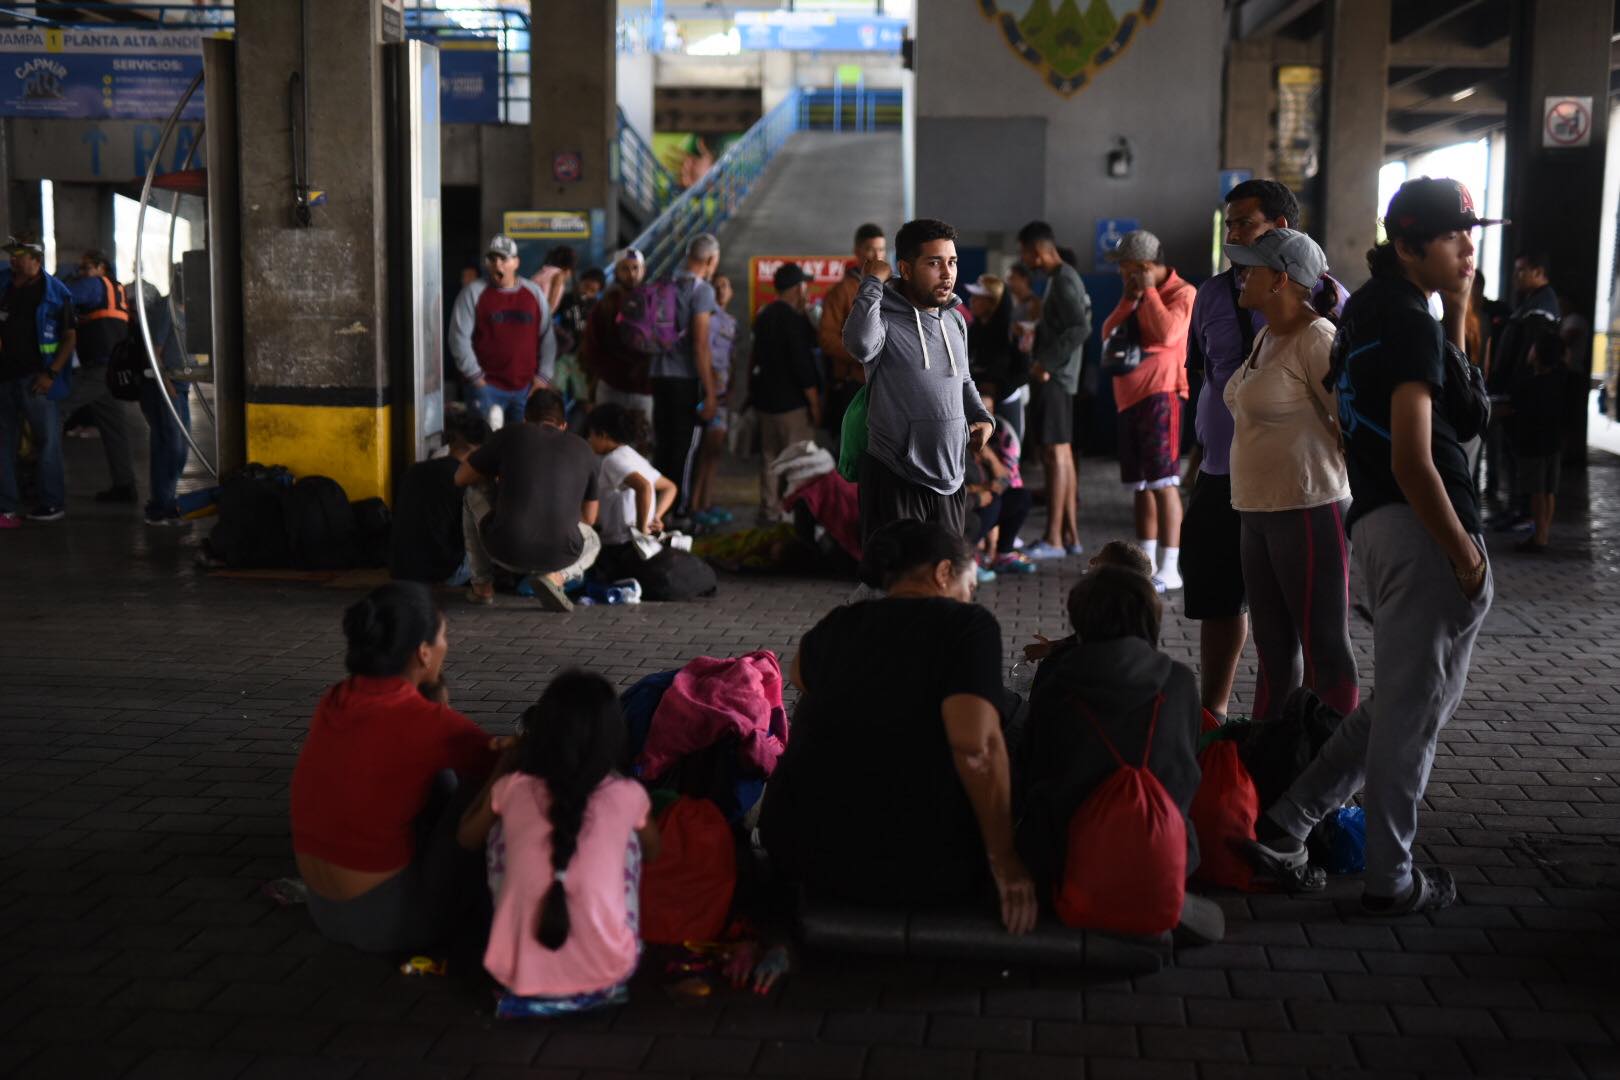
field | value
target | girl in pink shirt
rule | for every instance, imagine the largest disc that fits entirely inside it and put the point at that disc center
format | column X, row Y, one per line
column 565, row 935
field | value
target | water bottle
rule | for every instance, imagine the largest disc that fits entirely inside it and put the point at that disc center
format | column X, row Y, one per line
column 497, row 417
column 1021, row 678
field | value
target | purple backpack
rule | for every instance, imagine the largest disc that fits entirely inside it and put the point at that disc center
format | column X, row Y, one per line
column 646, row 318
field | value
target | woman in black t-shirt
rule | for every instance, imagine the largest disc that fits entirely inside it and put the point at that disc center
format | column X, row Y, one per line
column 896, row 789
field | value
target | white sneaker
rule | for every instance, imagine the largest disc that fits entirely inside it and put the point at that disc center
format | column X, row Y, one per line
column 1164, row 583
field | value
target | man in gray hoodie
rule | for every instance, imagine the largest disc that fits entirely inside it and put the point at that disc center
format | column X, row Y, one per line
column 923, row 411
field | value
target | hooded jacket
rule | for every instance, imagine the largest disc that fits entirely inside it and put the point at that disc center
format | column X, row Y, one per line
column 921, row 397
column 1062, row 760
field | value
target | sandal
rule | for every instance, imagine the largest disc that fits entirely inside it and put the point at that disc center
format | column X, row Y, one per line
column 1431, row 890
column 482, row 599
column 1288, row 869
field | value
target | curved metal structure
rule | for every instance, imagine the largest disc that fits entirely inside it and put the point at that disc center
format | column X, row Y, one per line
column 140, row 244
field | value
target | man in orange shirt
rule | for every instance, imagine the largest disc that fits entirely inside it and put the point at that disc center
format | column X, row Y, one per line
column 1150, row 396
column 847, row 373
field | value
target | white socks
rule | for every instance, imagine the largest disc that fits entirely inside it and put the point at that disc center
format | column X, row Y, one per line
column 1150, row 548
column 1167, row 568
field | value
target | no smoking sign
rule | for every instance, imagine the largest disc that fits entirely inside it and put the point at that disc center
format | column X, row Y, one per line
column 1566, row 122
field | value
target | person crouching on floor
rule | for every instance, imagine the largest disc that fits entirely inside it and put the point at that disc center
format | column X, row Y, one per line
column 1115, row 674
column 531, row 503
column 566, row 935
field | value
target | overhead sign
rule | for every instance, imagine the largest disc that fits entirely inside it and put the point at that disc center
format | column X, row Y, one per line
column 392, row 27
column 824, row 272
column 815, row 31
column 1566, row 122
column 547, row 224
column 99, row 74
column 1110, row 231
column 469, row 81
column 89, row 151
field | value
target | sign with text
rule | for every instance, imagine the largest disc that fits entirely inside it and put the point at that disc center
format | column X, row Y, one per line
column 824, row 271
column 99, row 74
column 469, row 82
column 547, row 224
column 812, row 31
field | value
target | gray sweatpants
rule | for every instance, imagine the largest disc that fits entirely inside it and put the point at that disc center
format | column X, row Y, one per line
column 1423, row 637
column 116, row 420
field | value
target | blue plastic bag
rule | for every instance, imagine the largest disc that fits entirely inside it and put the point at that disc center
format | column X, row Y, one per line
column 1345, row 830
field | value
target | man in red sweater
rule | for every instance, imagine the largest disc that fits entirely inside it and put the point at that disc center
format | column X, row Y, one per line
column 501, row 336
column 1150, row 397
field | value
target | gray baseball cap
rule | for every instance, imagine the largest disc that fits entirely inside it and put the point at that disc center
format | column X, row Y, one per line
column 1139, row 246
column 503, row 246
column 1287, row 250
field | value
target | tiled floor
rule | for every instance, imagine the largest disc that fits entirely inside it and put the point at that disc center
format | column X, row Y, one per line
column 150, row 715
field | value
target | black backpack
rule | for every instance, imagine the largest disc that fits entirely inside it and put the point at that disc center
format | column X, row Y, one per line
column 126, row 370
column 1122, row 352
column 374, row 523
column 320, row 527
column 252, row 529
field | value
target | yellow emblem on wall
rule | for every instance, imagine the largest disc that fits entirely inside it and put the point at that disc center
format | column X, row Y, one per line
column 1071, row 41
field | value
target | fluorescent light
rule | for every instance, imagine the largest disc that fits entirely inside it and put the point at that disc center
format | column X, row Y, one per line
column 1464, row 94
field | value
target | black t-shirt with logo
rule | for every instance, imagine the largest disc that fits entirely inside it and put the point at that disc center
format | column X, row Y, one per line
column 1388, row 337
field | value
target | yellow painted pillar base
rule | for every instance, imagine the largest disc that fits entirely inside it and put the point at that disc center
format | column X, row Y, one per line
column 349, row 443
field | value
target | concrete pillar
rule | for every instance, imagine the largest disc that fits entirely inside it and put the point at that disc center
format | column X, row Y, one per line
column 1357, row 49
column 315, row 305
column 1555, row 194
column 1247, row 128
column 573, row 115
column 84, row 220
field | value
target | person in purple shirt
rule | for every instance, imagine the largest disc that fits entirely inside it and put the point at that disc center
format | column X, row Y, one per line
column 1220, row 341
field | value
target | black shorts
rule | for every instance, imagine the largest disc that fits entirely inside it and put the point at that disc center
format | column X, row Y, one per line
column 1211, row 555
column 886, row 498
column 1051, row 416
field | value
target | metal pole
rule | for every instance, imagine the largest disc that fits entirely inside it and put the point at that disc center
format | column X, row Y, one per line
column 140, row 307
column 174, row 218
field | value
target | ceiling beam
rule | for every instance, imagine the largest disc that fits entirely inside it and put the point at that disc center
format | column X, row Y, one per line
column 1259, row 18
column 1428, row 52
column 1428, row 21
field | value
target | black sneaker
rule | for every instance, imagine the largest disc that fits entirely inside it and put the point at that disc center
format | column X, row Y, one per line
column 118, row 493
column 47, row 513
column 165, row 519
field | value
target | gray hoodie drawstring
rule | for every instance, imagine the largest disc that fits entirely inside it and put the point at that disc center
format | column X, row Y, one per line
column 923, row 340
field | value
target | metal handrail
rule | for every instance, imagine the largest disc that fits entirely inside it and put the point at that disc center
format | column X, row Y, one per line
column 715, row 199
column 140, row 279
column 638, row 172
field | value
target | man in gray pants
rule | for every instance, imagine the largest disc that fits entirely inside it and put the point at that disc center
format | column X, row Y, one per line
column 1406, row 406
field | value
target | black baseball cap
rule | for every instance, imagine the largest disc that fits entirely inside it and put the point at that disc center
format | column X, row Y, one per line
column 787, row 276
column 1429, row 206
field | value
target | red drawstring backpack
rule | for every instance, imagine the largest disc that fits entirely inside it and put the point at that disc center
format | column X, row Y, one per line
column 1224, row 812
column 686, row 891
column 1126, row 865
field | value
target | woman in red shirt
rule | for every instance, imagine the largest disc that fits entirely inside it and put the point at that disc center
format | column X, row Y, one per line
column 374, row 828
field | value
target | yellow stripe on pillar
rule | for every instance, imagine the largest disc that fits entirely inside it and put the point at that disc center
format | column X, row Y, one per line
column 349, row 443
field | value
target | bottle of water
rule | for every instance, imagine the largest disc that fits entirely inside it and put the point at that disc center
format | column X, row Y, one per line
column 1021, row 678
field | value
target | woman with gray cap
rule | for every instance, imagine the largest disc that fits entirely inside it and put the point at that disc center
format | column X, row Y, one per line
column 1289, row 483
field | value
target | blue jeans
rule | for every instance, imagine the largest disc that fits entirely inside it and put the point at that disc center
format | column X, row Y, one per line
column 169, row 446
column 511, row 402
column 18, row 402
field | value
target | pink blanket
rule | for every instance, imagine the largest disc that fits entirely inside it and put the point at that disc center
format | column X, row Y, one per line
column 712, row 698
column 836, row 505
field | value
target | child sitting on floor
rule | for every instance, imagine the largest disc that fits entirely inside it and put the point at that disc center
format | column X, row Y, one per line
column 1121, row 553
column 566, row 934
column 634, row 494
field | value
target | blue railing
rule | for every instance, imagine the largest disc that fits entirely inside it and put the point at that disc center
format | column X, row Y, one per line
column 641, row 177
column 715, row 199
column 850, row 108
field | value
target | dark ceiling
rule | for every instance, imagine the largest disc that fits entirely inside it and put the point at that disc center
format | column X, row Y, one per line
column 1448, row 74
